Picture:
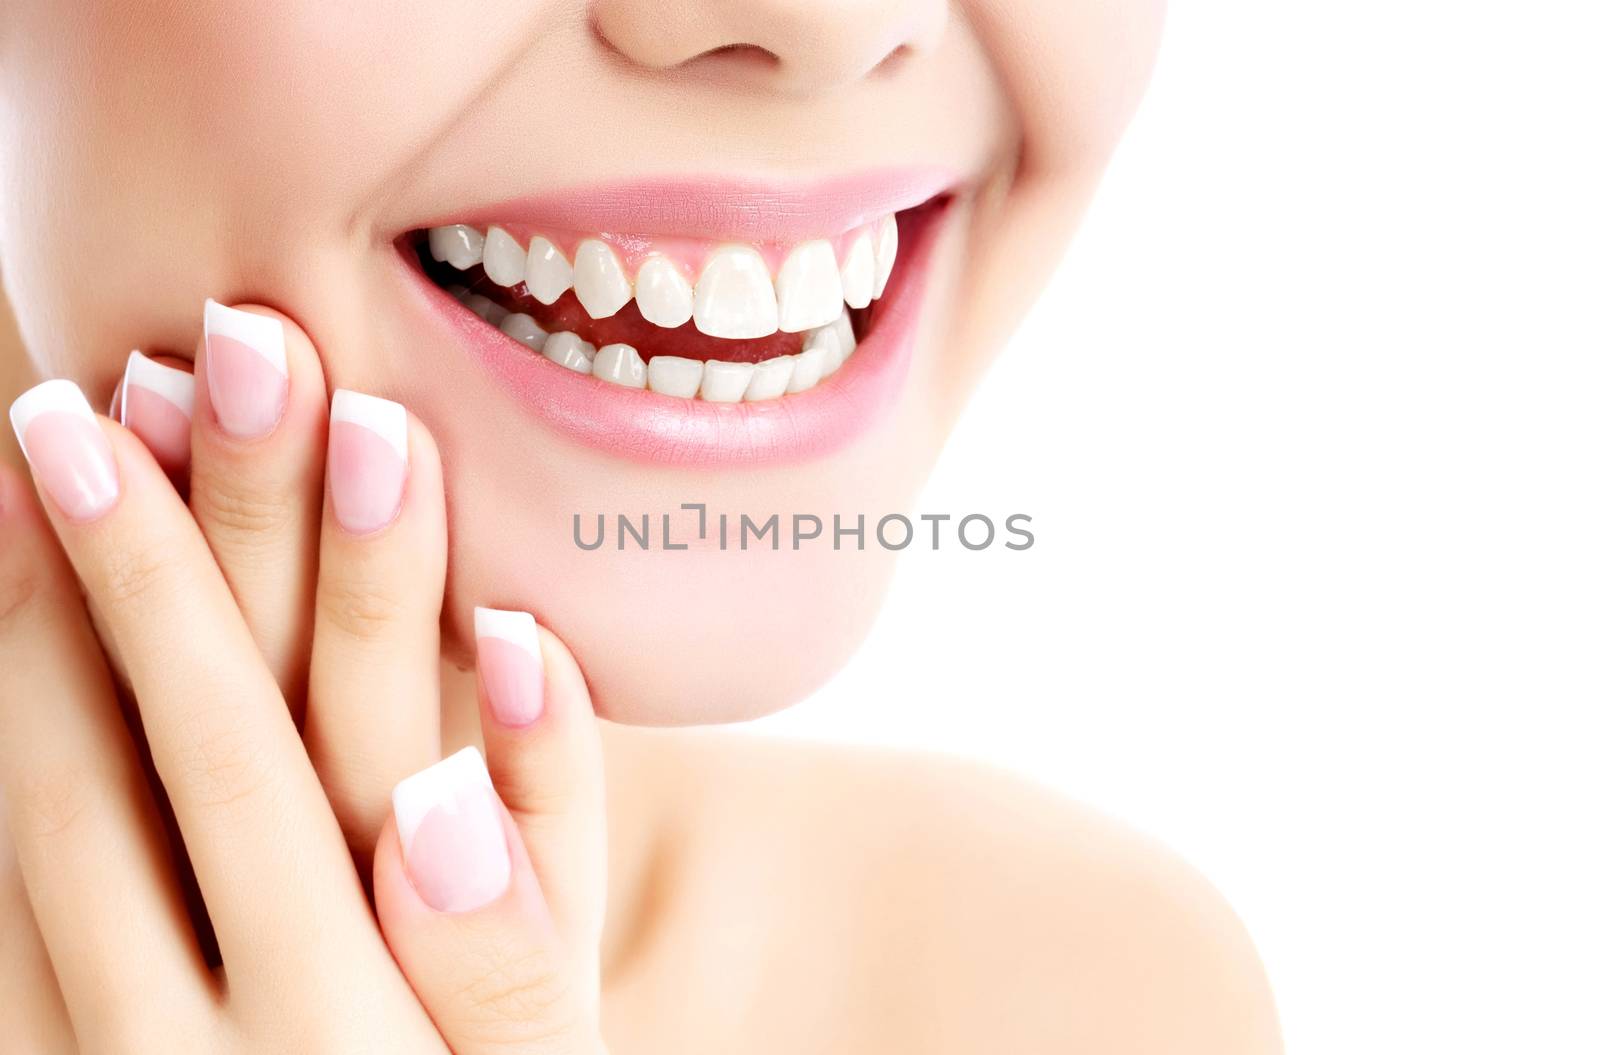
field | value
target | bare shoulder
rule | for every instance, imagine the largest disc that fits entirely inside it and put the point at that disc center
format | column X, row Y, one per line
column 981, row 912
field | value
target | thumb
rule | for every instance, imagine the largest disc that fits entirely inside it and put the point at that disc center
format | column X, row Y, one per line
column 466, row 920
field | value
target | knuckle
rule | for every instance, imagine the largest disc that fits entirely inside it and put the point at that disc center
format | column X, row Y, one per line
column 136, row 573
column 519, row 993
column 361, row 607
column 48, row 804
column 229, row 506
column 219, row 763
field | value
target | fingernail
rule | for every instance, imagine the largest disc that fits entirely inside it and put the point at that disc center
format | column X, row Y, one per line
column 451, row 836
column 510, row 668
column 247, row 370
column 367, row 459
column 157, row 406
column 71, row 458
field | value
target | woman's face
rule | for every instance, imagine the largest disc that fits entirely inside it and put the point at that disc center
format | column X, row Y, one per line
column 296, row 154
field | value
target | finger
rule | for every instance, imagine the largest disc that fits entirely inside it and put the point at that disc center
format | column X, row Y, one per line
column 156, row 403
column 464, row 915
column 256, row 481
column 543, row 748
column 373, row 712
column 87, row 835
column 35, row 1018
column 268, row 857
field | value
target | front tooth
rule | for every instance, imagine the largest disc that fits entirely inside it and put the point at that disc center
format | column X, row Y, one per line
column 664, row 295
column 484, row 308
column 859, row 274
column 734, row 297
column 807, row 370
column 620, row 364
column 522, row 329
column 884, row 248
column 770, row 378
column 601, row 285
column 672, row 376
column 503, row 259
column 549, row 275
column 570, row 351
column 725, row 382
column 826, row 341
column 808, row 287
column 458, row 245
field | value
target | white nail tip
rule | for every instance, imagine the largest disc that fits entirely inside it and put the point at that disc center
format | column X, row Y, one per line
column 57, row 395
column 442, row 785
column 174, row 385
column 517, row 628
column 599, row 281
column 263, row 334
column 381, row 416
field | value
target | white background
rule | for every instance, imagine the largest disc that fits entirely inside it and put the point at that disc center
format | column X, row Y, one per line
column 1308, row 422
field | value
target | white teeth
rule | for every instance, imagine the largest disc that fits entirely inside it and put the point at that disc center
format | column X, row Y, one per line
column 770, row 379
column 522, row 329
column 807, row 370
column 601, row 285
column 457, row 245
column 672, row 376
column 484, row 308
column 808, row 288
column 884, row 247
column 734, row 298
column 620, row 364
column 664, row 295
column 569, row 350
column 549, row 275
column 725, row 382
column 838, row 333
column 859, row 273
column 503, row 259
column 826, row 341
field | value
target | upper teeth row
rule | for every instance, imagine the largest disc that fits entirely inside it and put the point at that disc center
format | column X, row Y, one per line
column 736, row 296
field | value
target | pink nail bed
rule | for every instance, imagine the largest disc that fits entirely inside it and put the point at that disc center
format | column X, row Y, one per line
column 367, row 457
column 157, row 406
column 510, row 667
column 70, row 457
column 247, row 370
column 451, row 835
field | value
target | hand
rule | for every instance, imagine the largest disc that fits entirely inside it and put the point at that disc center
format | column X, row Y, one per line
column 206, row 615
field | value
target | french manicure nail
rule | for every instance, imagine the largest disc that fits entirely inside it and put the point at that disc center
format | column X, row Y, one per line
column 71, row 458
column 157, row 405
column 510, row 667
column 451, row 836
column 247, row 370
column 367, row 459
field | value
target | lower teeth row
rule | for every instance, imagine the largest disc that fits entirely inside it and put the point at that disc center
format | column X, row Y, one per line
column 825, row 350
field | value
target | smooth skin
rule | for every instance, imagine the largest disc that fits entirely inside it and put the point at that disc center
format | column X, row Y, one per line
column 1087, row 939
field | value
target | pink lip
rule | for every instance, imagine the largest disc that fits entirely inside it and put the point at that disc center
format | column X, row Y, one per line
column 720, row 209
column 692, row 433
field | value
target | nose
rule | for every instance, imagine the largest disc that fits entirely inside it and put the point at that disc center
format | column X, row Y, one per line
column 798, row 47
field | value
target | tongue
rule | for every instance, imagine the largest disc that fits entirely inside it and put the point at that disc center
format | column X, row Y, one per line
column 629, row 327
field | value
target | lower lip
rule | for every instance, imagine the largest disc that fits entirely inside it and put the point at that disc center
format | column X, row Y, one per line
column 692, row 433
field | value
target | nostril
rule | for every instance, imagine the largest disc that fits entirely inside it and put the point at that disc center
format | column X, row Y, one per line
column 733, row 56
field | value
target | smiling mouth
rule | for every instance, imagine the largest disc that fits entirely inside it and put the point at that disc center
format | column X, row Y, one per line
column 680, row 318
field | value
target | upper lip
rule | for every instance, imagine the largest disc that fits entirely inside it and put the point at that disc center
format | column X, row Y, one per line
column 714, row 208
